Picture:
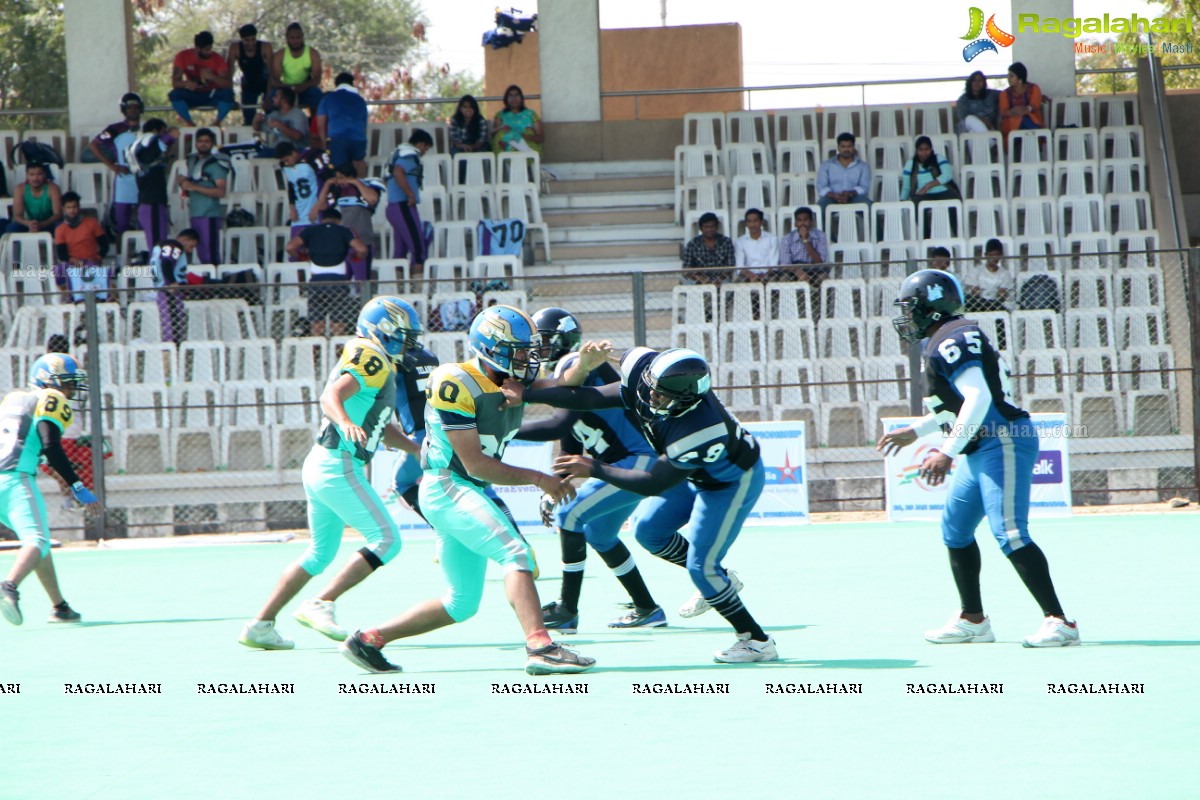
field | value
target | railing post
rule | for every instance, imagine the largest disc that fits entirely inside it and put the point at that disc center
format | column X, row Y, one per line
column 1193, row 303
column 98, row 525
column 639, row 308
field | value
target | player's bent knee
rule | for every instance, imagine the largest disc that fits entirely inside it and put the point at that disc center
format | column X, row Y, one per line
column 317, row 559
column 460, row 606
column 384, row 548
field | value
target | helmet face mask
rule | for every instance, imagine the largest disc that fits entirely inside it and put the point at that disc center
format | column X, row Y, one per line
column 504, row 338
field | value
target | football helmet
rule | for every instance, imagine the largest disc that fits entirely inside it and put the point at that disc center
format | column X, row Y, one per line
column 503, row 338
column 558, row 334
column 394, row 325
column 132, row 97
column 926, row 297
column 672, row 384
column 58, row 371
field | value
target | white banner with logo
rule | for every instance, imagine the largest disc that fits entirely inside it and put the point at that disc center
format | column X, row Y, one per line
column 784, row 500
column 909, row 497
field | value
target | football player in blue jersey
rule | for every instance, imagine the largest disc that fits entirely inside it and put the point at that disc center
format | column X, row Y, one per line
column 970, row 399
column 412, row 377
column 697, row 441
column 595, row 516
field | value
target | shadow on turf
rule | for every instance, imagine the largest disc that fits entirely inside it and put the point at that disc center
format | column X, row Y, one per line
column 100, row 623
column 1146, row 643
column 859, row 663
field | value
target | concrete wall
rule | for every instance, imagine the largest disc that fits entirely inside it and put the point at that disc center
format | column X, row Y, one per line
column 570, row 61
column 97, row 76
column 1184, row 108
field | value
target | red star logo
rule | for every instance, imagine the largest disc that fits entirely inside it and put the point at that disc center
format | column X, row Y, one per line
column 787, row 472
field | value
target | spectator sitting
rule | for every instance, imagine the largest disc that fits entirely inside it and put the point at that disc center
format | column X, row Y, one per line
column 342, row 124
column 939, row 258
column 79, row 243
column 845, row 178
column 285, row 123
column 1020, row 103
column 253, row 59
column 37, row 203
column 756, row 252
column 928, row 176
column 200, row 77
column 468, row 128
column 356, row 199
column 807, row 248
column 298, row 67
column 404, row 193
column 147, row 157
column 516, row 127
column 328, row 244
column 169, row 263
column 204, row 186
column 709, row 249
column 978, row 109
column 109, row 148
column 991, row 284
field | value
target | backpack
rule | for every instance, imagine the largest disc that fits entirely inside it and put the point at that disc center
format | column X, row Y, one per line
column 37, row 153
column 1039, row 292
column 145, row 153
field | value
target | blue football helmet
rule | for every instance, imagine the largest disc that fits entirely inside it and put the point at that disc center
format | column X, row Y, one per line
column 673, row 384
column 394, row 325
column 57, row 371
column 504, row 337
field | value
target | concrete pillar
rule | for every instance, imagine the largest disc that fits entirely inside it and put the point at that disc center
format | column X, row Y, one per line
column 569, row 58
column 1050, row 57
column 99, row 36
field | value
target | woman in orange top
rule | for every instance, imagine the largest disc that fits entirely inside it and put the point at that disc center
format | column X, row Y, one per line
column 1020, row 103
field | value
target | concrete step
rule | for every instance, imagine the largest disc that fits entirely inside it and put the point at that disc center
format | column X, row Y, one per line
column 615, row 216
column 578, row 251
column 657, row 232
column 588, row 170
column 616, row 266
column 594, row 185
column 606, row 200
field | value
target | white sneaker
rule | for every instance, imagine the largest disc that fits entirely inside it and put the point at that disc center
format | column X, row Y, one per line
column 261, row 634
column 745, row 651
column 318, row 615
column 1053, row 633
column 698, row 605
column 961, row 631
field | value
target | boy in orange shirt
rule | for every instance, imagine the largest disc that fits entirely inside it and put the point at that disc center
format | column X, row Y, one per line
column 79, row 243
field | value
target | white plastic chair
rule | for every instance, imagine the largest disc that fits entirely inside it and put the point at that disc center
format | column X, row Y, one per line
column 1081, row 214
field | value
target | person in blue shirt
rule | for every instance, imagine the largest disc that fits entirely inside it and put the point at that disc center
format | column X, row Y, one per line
column 109, row 148
column 698, row 441
column 970, row 398
column 342, row 124
column 169, row 263
column 305, row 172
column 845, row 178
column 404, row 193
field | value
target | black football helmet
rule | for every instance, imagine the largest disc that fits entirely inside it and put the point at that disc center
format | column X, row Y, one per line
column 673, row 384
column 558, row 333
column 926, row 297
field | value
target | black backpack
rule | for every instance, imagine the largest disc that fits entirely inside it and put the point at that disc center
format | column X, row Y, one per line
column 1039, row 292
column 37, row 153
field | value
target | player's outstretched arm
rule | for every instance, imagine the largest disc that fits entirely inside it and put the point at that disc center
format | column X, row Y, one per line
column 591, row 356
column 555, row 427
column 467, row 446
column 583, row 398
column 661, row 476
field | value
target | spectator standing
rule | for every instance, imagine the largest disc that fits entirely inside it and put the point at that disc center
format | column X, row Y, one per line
column 284, row 123
column 756, row 252
column 305, row 173
column 328, row 245
column 200, row 77
column 298, row 67
column 79, row 243
column 342, row 124
column 978, row 109
column 1020, row 103
column 169, row 262
column 253, row 59
column 516, row 127
column 845, row 178
column 148, row 159
column 806, row 247
column 356, row 199
column 991, row 285
column 37, row 203
column 204, row 185
column 404, row 193
column 109, row 147
column 710, row 249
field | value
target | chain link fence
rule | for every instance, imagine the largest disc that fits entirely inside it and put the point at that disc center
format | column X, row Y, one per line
column 207, row 394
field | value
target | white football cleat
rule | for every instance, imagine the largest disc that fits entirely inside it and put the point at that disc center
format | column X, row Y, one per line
column 698, row 605
column 961, row 631
column 1054, row 633
column 746, row 651
column 318, row 615
column 262, row 634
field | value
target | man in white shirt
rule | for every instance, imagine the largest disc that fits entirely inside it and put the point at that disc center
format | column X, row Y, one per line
column 992, row 284
column 756, row 251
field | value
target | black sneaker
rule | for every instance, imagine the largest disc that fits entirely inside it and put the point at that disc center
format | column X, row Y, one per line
column 364, row 655
column 64, row 613
column 556, row 617
column 554, row 659
column 9, row 602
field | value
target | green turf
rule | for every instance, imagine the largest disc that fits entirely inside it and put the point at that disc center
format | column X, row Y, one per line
column 847, row 603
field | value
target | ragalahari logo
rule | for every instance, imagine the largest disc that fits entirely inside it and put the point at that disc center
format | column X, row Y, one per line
column 995, row 36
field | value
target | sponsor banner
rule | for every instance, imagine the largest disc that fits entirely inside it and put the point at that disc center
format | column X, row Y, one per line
column 784, row 500
column 909, row 497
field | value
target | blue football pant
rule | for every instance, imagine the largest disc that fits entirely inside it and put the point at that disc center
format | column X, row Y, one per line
column 994, row 481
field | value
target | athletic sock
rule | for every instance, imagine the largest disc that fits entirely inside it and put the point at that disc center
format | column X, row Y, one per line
column 965, row 565
column 675, row 551
column 1030, row 563
column 729, row 605
column 574, row 552
column 621, row 562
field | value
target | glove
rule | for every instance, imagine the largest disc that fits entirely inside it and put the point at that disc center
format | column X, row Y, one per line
column 82, row 493
column 546, row 507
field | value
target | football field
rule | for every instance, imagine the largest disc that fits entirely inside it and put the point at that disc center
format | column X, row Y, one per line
column 860, row 706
